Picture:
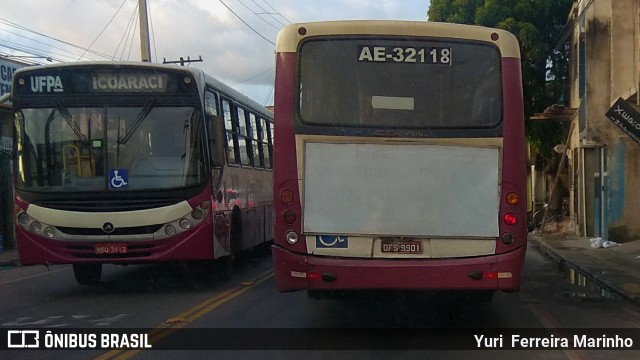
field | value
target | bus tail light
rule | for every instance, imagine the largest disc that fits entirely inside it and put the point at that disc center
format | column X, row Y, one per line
column 286, row 196
column 510, row 219
column 512, row 198
column 508, row 239
column 289, row 217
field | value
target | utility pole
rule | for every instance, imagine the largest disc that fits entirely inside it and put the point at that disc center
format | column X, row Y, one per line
column 182, row 61
column 145, row 45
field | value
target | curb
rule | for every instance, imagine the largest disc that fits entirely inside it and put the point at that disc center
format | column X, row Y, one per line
column 9, row 260
column 598, row 281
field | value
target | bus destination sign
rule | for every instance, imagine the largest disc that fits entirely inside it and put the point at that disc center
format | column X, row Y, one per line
column 88, row 81
column 119, row 82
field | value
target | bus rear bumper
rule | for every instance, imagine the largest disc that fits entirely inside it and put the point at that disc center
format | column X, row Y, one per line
column 305, row 272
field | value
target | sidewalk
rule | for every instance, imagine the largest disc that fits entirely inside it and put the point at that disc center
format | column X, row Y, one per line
column 616, row 269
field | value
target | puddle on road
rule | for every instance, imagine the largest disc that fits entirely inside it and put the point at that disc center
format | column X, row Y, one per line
column 592, row 291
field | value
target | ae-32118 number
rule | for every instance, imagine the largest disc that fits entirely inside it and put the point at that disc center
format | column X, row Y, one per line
column 405, row 55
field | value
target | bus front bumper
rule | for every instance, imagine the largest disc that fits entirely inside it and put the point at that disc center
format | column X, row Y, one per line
column 306, row 272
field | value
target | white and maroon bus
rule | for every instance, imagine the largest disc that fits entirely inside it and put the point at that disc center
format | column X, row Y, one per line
column 136, row 163
column 399, row 158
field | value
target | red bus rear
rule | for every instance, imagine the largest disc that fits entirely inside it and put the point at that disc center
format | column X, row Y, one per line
column 399, row 157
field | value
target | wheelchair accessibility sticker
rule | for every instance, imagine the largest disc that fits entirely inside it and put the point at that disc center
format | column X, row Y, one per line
column 118, row 178
column 335, row 242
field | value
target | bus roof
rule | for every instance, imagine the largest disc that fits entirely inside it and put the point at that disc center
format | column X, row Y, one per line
column 290, row 36
column 201, row 77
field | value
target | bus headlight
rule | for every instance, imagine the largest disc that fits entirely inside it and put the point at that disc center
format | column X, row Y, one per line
column 197, row 214
column 24, row 218
column 170, row 230
column 35, row 227
column 49, row 232
column 185, row 223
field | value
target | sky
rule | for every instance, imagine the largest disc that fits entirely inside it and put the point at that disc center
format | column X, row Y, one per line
column 236, row 49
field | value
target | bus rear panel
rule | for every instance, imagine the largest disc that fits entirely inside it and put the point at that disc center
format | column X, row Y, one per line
column 399, row 157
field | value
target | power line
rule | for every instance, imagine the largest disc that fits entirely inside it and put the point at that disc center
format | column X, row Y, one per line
column 253, row 77
column 43, row 43
column 277, row 12
column 103, row 29
column 268, row 13
column 25, row 49
column 126, row 33
column 153, row 35
column 268, row 97
column 12, row 24
column 244, row 22
column 259, row 17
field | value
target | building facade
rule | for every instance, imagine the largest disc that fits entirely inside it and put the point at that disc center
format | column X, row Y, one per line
column 603, row 152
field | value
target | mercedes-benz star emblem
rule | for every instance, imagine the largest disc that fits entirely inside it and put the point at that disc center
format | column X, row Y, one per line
column 108, row 227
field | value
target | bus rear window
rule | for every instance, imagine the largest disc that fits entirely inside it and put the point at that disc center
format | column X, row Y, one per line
column 399, row 83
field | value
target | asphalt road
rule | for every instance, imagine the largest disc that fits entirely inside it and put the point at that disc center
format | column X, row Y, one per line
column 163, row 298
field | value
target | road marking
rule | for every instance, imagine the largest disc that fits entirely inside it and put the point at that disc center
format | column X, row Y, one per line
column 181, row 320
column 551, row 323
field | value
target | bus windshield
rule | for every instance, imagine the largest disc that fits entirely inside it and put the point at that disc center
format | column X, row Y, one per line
column 109, row 148
column 400, row 83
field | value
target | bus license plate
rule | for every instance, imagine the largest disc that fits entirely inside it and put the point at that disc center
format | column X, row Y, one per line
column 402, row 246
column 110, row 248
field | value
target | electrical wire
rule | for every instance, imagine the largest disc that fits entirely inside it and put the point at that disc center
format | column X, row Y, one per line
column 277, row 12
column 125, row 35
column 258, row 15
column 153, row 35
column 244, row 22
column 266, row 12
column 253, row 77
column 103, row 29
column 12, row 24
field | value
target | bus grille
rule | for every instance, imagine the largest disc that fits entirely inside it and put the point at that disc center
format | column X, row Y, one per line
column 134, row 230
column 109, row 205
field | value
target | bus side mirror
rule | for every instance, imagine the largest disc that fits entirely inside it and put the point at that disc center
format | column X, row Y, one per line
column 216, row 143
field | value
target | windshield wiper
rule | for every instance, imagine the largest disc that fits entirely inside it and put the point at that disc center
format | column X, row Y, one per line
column 72, row 123
column 136, row 123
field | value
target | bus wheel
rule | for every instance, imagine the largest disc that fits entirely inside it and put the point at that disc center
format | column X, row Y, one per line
column 87, row 274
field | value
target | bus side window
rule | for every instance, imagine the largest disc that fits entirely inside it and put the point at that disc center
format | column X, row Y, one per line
column 231, row 138
column 256, row 133
column 267, row 141
column 214, row 124
column 244, row 144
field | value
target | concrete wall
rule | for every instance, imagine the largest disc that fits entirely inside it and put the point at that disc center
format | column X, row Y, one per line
column 610, row 30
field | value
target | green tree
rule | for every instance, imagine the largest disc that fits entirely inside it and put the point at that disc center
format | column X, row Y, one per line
column 538, row 26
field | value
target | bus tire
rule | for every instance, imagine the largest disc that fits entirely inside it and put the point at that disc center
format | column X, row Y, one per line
column 87, row 274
